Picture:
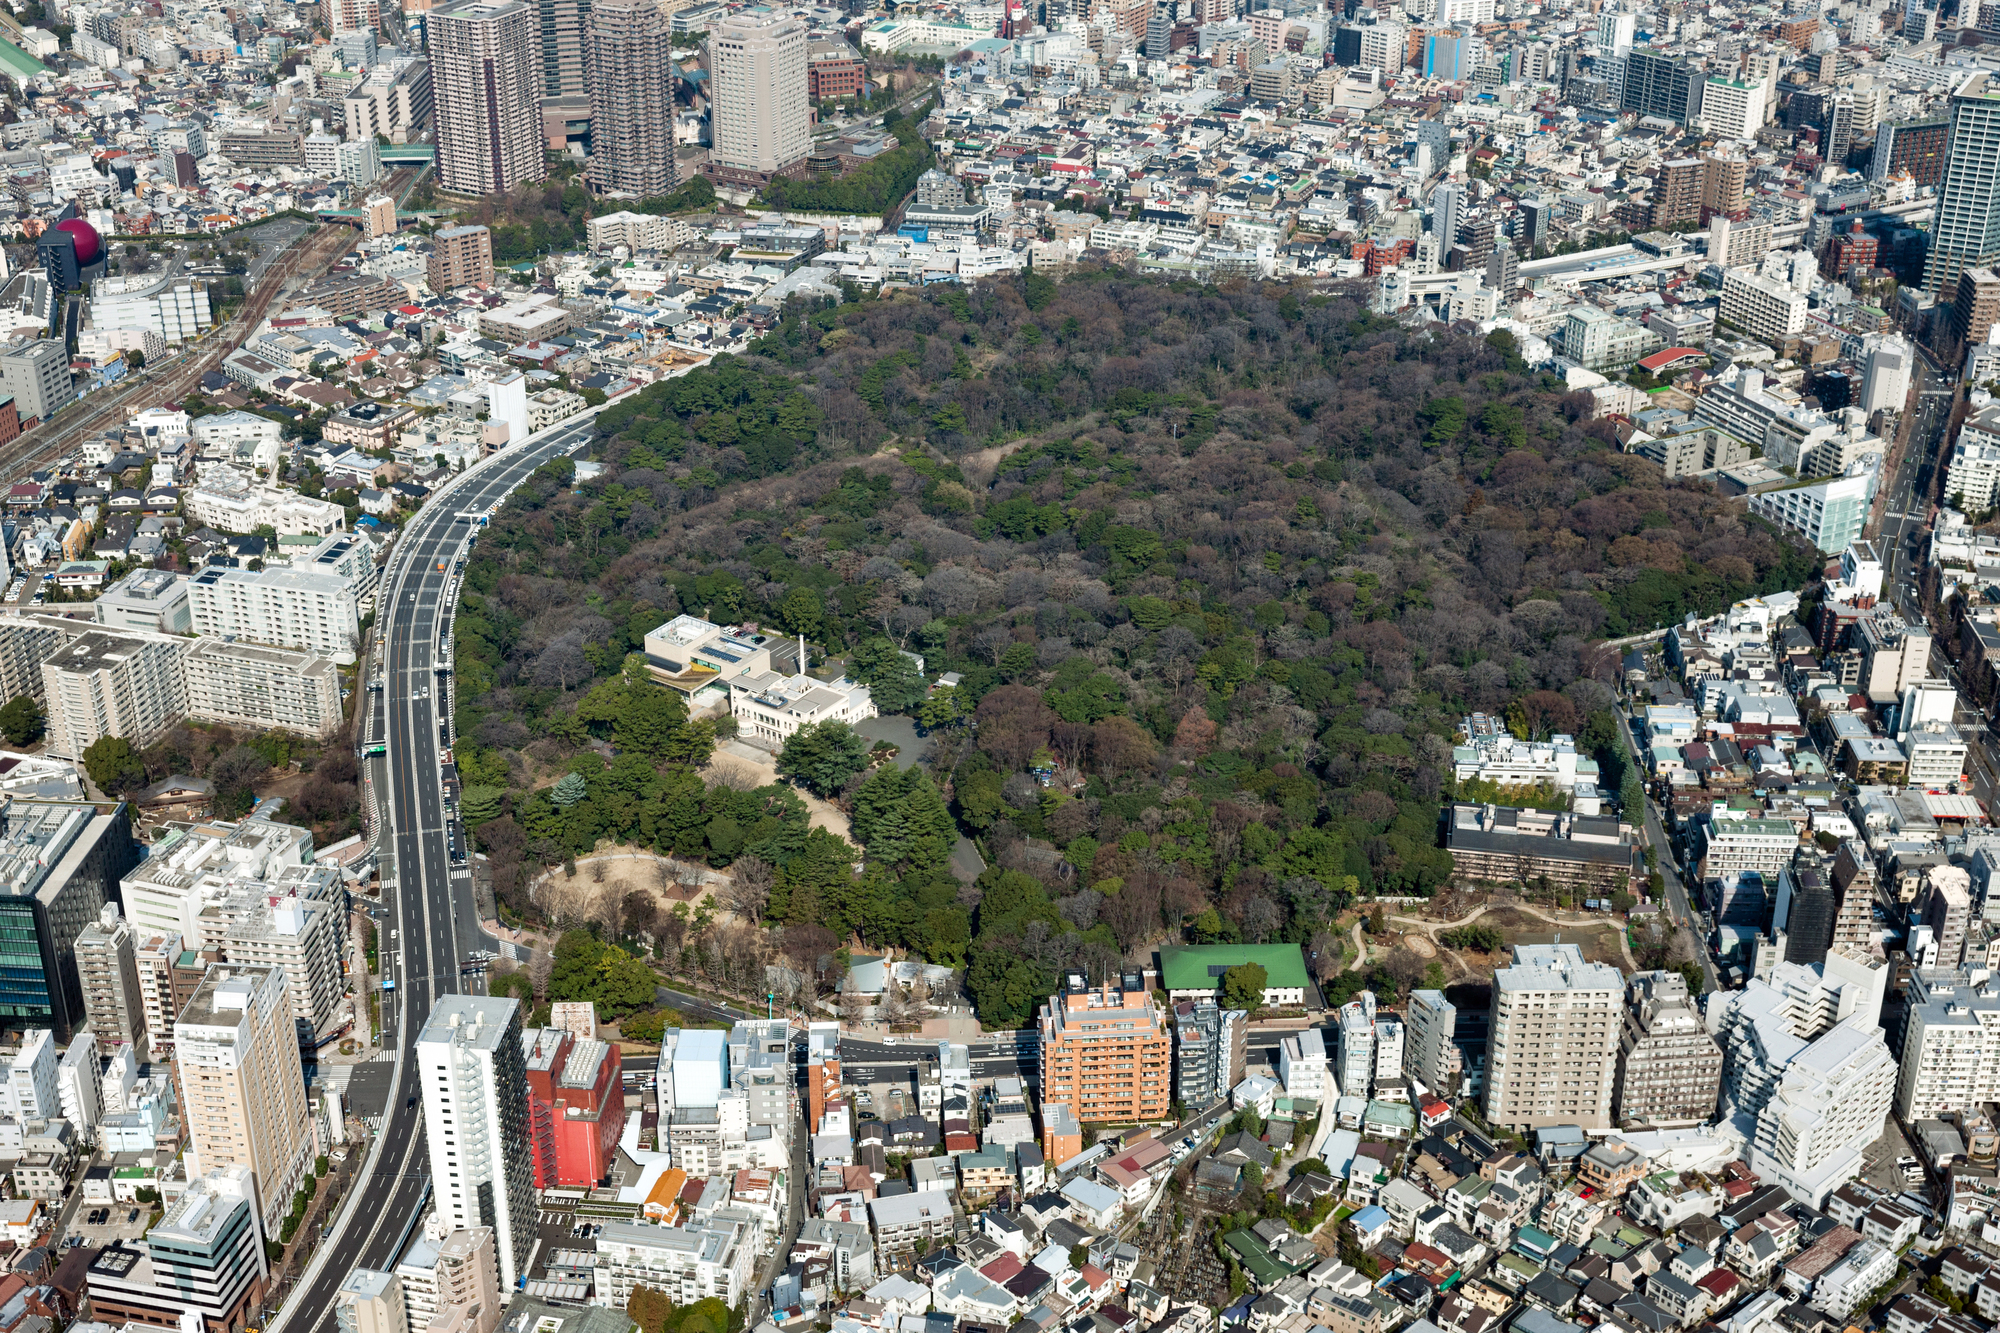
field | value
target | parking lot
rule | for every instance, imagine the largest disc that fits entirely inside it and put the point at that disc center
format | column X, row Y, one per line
column 1880, row 1160
column 99, row 1225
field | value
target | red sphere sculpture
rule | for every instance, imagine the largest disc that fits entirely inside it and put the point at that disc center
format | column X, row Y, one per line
column 88, row 244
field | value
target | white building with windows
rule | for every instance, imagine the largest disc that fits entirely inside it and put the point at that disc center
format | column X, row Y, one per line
column 233, row 502
column 249, row 685
column 287, row 608
column 474, row 1077
column 174, row 307
column 1829, row 514
column 1729, row 844
column 1973, row 480
column 1302, row 1065
column 1488, row 752
column 770, row 707
column 1936, row 754
column 1951, row 1050
column 689, row 1264
column 1354, row 1045
column 1802, row 1054
column 1761, row 307
column 1733, row 108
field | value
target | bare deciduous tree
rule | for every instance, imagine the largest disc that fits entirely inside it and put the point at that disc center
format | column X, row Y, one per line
column 750, row 880
column 541, row 963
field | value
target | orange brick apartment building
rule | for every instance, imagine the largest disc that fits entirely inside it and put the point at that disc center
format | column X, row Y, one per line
column 1106, row 1053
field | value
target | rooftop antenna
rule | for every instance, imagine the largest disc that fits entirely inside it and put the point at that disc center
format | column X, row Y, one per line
column 802, row 654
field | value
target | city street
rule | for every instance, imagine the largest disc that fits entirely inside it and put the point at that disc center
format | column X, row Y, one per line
column 1909, row 490
column 1677, row 905
column 885, row 1062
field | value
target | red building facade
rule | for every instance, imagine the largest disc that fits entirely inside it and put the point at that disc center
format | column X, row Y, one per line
column 576, row 1108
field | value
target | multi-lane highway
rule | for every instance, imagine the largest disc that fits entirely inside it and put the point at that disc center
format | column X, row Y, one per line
column 432, row 922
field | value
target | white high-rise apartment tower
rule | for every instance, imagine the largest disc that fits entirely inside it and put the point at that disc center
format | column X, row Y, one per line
column 760, row 122
column 486, row 78
column 475, row 1082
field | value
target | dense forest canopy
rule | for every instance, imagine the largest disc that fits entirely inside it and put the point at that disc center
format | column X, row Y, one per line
column 1229, row 563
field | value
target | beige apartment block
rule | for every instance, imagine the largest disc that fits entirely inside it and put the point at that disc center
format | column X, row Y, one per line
column 761, row 123
column 243, row 1091
column 107, row 964
column 250, row 685
column 460, row 256
column 104, row 684
column 1554, row 1045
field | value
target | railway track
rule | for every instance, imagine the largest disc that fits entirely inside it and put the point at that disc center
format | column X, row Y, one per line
column 308, row 257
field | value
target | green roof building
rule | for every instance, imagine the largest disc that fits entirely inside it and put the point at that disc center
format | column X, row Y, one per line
column 19, row 64
column 1190, row 972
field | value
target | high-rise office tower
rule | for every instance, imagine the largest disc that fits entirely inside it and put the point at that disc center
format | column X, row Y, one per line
column 565, row 35
column 1554, row 1043
column 243, row 1090
column 486, row 77
column 1669, row 1068
column 631, row 102
column 1965, row 231
column 475, row 1081
column 761, row 124
column 107, row 964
